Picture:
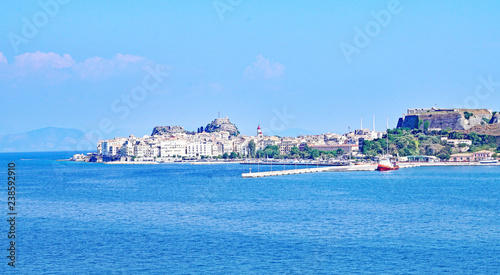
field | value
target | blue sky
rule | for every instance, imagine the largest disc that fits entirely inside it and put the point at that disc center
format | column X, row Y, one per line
column 280, row 65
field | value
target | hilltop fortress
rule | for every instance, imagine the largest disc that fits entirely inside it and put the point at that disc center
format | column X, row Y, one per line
column 478, row 120
column 222, row 124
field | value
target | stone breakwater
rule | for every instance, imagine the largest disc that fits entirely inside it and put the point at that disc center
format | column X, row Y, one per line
column 352, row 168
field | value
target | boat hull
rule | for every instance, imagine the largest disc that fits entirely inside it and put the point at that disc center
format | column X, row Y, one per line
column 488, row 161
column 386, row 168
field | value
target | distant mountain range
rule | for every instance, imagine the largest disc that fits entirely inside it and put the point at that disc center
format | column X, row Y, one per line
column 45, row 139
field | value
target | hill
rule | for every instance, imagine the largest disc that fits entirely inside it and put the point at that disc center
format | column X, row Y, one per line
column 45, row 139
column 466, row 120
column 166, row 130
column 222, row 124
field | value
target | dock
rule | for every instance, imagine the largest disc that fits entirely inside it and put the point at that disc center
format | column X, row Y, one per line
column 368, row 167
column 352, row 168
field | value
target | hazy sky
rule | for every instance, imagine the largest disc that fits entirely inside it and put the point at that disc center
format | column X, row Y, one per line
column 127, row 66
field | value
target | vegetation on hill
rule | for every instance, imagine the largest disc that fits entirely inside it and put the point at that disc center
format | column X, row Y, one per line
column 406, row 142
column 225, row 126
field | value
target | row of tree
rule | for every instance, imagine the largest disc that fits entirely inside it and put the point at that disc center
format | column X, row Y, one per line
column 272, row 151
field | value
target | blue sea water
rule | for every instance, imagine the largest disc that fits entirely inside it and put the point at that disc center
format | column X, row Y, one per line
column 81, row 218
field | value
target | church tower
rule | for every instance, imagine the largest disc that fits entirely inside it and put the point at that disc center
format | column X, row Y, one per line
column 259, row 131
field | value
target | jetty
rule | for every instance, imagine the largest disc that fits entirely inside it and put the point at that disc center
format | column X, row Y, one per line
column 347, row 168
column 352, row 168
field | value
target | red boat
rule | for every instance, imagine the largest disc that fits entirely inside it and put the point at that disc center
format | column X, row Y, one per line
column 386, row 165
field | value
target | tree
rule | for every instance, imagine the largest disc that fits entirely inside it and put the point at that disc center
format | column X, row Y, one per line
column 225, row 156
column 304, row 155
column 306, row 148
column 456, row 135
column 294, row 151
column 444, row 156
column 476, row 140
column 251, row 148
column 467, row 115
column 314, row 153
column 340, row 152
column 272, row 151
column 233, row 155
column 426, row 125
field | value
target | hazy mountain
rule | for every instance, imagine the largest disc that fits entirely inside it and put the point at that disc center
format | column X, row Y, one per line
column 45, row 139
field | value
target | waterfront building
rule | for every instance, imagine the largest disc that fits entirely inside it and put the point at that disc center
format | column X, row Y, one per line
column 241, row 147
column 347, row 148
column 173, row 147
column 111, row 147
column 482, row 155
column 227, row 147
column 217, row 149
column 286, row 146
column 198, row 149
column 99, row 147
column 461, row 157
column 140, row 149
column 422, row 159
column 477, row 156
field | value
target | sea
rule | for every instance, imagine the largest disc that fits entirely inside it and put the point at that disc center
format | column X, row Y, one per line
column 88, row 218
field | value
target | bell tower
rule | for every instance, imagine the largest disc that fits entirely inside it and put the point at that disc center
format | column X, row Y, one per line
column 259, row 131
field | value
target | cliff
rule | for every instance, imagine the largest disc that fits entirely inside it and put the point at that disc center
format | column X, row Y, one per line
column 488, row 129
column 495, row 119
column 167, row 130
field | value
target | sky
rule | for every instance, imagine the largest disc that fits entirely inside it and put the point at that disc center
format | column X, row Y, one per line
column 123, row 67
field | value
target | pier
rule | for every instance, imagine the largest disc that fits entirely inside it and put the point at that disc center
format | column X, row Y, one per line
column 307, row 164
column 367, row 167
column 352, row 168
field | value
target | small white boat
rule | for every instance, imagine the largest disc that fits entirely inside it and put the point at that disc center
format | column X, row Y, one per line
column 488, row 161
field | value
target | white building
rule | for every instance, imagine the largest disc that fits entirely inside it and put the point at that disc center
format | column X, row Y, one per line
column 456, row 142
column 170, row 148
column 198, row 149
column 112, row 147
column 141, row 150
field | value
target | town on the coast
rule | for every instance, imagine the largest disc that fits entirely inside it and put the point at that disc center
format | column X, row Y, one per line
column 431, row 135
